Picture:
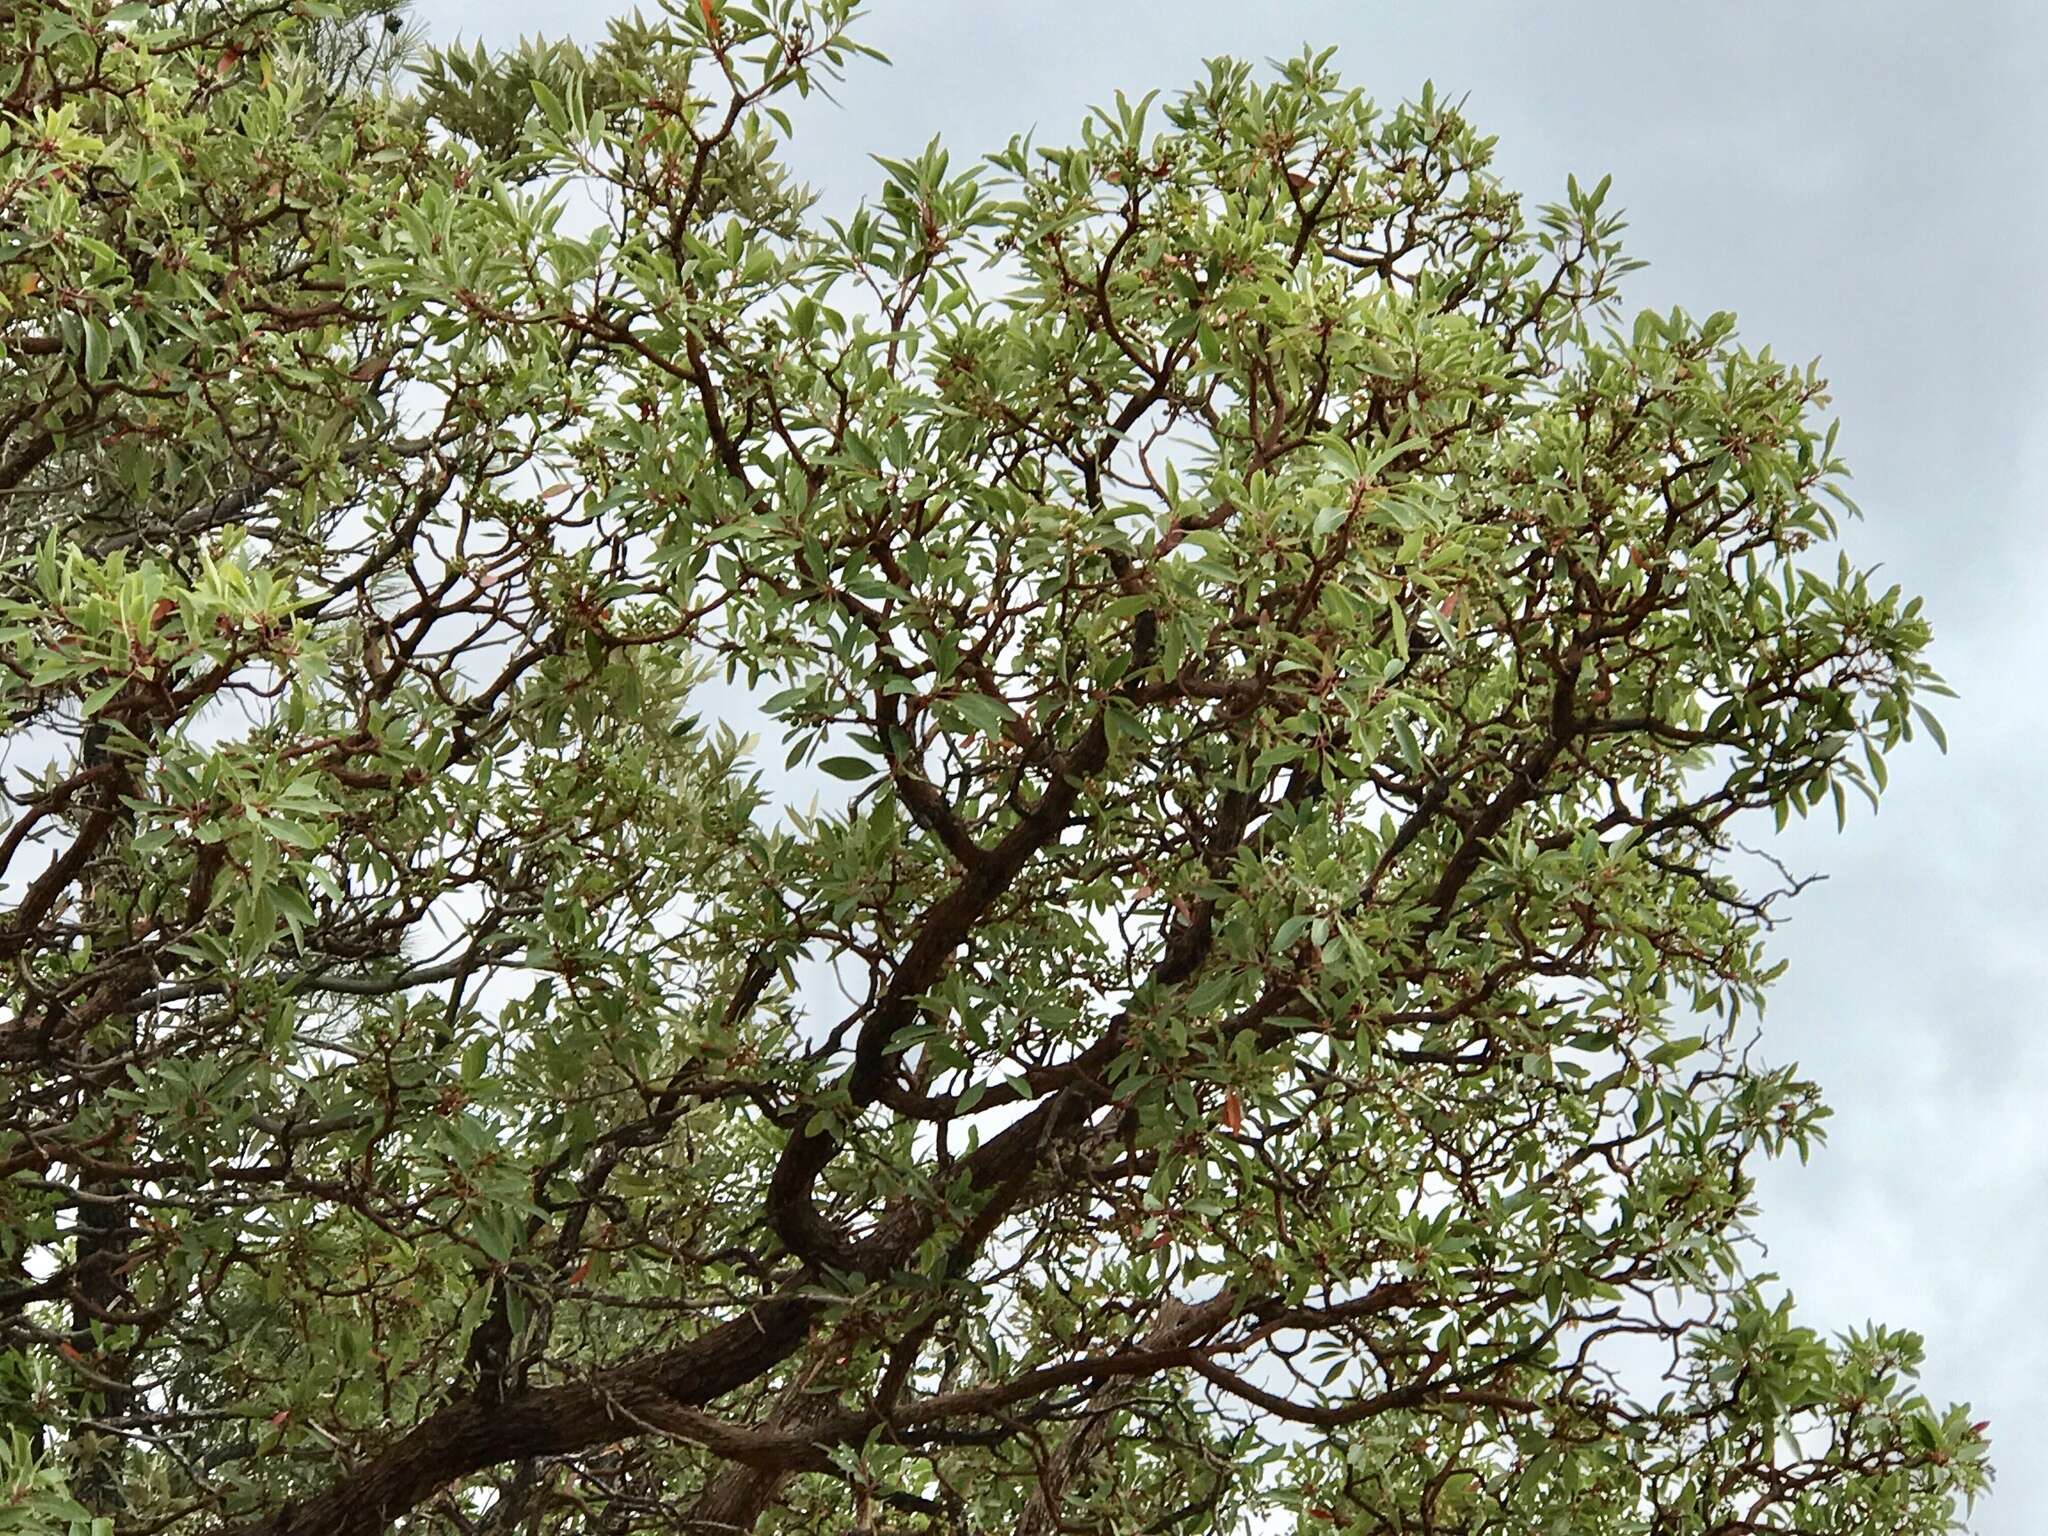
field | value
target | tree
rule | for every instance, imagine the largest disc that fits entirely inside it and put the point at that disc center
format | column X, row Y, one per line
column 1254, row 1032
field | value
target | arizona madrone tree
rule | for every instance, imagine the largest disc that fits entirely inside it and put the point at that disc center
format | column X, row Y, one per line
column 1061, row 857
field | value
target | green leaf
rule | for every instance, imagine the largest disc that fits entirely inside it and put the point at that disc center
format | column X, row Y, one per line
column 982, row 713
column 551, row 106
column 1673, row 1051
column 850, row 768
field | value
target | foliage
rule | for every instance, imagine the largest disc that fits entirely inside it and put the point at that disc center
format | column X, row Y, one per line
column 1250, row 1032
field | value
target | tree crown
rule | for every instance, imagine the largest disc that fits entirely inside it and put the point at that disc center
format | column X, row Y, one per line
column 1251, row 1026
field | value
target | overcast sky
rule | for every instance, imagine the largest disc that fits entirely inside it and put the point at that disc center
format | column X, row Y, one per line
column 1861, row 182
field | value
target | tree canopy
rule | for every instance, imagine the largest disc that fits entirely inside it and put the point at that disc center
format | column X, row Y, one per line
column 1066, row 855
